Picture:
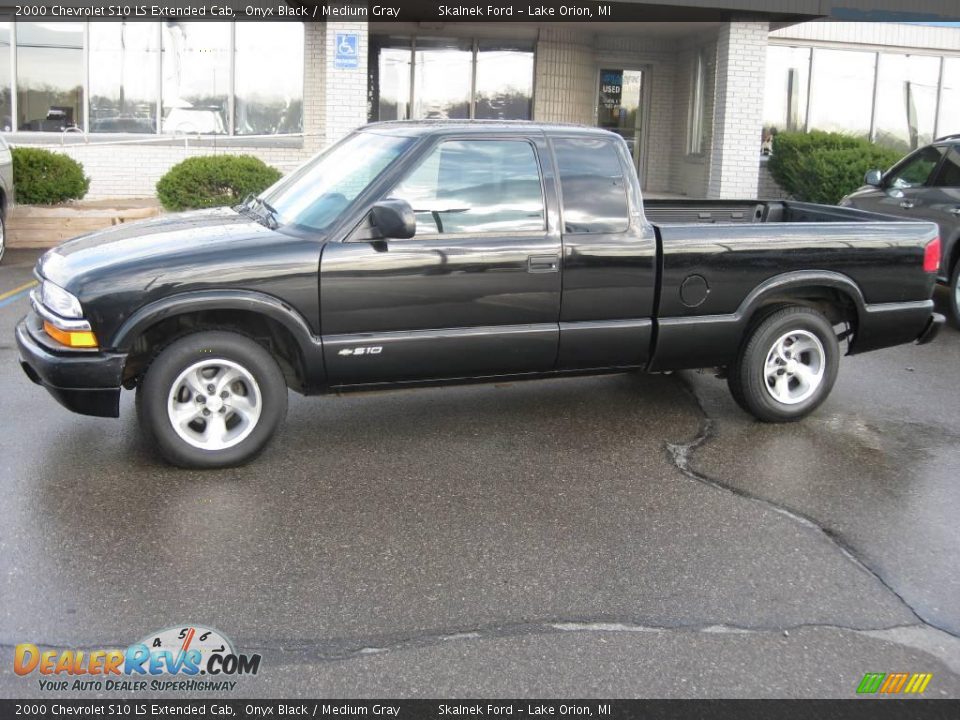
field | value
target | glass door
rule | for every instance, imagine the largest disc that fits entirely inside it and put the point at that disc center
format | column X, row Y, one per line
column 619, row 107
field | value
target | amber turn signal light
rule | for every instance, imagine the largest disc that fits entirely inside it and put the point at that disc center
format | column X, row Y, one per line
column 71, row 338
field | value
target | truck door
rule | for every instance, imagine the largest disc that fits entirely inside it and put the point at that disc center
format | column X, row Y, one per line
column 475, row 292
column 609, row 257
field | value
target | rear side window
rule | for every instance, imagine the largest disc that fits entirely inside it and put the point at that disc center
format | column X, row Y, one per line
column 594, row 191
column 949, row 175
column 476, row 186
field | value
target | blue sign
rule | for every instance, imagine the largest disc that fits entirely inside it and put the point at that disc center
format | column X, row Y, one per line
column 347, row 50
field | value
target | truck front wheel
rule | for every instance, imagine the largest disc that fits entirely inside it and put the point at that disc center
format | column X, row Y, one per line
column 787, row 366
column 212, row 399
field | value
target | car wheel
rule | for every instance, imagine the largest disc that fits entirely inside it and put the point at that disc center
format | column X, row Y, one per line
column 212, row 399
column 954, row 298
column 787, row 366
column 3, row 237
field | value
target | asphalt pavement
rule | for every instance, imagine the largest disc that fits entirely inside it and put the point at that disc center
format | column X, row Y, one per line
column 617, row 536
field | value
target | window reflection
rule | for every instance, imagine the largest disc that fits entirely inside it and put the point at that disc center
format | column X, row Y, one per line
column 950, row 98
column 949, row 173
column 6, row 111
column 591, row 181
column 390, row 78
column 49, row 76
column 906, row 100
column 442, row 77
column 504, row 89
column 841, row 91
column 269, row 95
column 476, row 186
column 785, row 99
column 196, row 77
column 123, row 77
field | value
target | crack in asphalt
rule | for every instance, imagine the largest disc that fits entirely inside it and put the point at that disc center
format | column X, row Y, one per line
column 335, row 650
column 681, row 453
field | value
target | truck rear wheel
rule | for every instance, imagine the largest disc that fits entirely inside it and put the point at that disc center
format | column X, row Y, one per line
column 212, row 399
column 954, row 295
column 787, row 366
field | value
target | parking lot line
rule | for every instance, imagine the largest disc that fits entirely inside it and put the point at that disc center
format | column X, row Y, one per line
column 13, row 295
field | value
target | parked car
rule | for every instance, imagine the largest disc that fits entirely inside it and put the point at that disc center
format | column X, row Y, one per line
column 6, row 191
column 925, row 185
column 418, row 253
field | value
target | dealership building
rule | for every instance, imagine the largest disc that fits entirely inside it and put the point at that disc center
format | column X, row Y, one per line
column 694, row 99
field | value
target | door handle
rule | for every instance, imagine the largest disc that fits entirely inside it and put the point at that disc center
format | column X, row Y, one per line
column 543, row 263
column 906, row 204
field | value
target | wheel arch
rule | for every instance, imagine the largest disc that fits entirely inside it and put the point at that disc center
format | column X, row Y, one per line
column 833, row 294
column 277, row 326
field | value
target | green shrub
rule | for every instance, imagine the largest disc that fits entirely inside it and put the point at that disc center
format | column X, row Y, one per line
column 822, row 167
column 41, row 177
column 214, row 181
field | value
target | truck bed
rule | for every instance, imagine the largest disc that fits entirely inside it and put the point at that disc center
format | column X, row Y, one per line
column 685, row 212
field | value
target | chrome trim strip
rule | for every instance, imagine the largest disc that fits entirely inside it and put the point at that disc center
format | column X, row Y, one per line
column 51, row 317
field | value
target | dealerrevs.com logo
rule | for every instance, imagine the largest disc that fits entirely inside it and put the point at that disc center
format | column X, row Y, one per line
column 188, row 658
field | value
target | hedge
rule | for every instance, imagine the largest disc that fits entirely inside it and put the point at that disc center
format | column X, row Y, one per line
column 41, row 177
column 214, row 181
column 822, row 167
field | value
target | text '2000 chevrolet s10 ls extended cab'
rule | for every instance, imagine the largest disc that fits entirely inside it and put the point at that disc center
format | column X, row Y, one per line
column 418, row 253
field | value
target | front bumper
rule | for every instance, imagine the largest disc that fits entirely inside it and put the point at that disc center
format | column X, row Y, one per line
column 84, row 381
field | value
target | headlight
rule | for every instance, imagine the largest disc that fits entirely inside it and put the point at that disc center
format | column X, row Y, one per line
column 59, row 301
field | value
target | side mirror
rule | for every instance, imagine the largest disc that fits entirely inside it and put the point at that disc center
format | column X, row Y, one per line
column 394, row 219
column 873, row 177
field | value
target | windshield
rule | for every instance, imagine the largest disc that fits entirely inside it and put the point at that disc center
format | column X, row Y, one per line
column 313, row 196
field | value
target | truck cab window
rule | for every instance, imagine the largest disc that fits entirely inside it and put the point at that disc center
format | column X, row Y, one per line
column 594, row 191
column 476, row 186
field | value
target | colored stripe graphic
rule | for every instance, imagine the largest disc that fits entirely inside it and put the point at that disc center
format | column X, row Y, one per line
column 894, row 683
column 871, row 683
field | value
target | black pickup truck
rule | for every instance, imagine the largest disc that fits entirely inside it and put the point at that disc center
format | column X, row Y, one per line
column 441, row 252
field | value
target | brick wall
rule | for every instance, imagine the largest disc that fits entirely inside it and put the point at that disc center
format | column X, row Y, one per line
column 565, row 77
column 738, row 110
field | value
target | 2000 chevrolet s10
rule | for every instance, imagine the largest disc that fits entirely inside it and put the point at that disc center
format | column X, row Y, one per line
column 418, row 253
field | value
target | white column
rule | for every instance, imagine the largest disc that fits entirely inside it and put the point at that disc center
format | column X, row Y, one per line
column 738, row 109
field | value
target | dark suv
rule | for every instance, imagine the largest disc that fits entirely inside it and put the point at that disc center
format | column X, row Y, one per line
column 925, row 185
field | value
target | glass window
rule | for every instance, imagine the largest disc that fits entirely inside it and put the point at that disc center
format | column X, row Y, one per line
column 391, row 84
column 504, row 89
column 269, row 95
column 785, row 98
column 949, row 174
column 696, row 125
column 476, row 186
column 906, row 100
column 442, row 77
column 196, row 77
column 6, row 111
column 49, row 75
column 916, row 169
column 841, row 91
column 124, row 59
column 314, row 196
column 591, row 180
column 950, row 98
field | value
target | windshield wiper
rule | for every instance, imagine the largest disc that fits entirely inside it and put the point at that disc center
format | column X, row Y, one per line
column 259, row 210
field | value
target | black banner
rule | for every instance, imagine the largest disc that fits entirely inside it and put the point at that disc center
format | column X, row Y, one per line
column 857, row 709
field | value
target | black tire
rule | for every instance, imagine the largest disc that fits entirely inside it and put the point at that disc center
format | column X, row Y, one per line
column 209, row 355
column 953, row 295
column 748, row 380
column 3, row 236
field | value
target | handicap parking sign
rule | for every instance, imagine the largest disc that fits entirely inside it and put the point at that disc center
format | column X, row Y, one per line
column 347, row 50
